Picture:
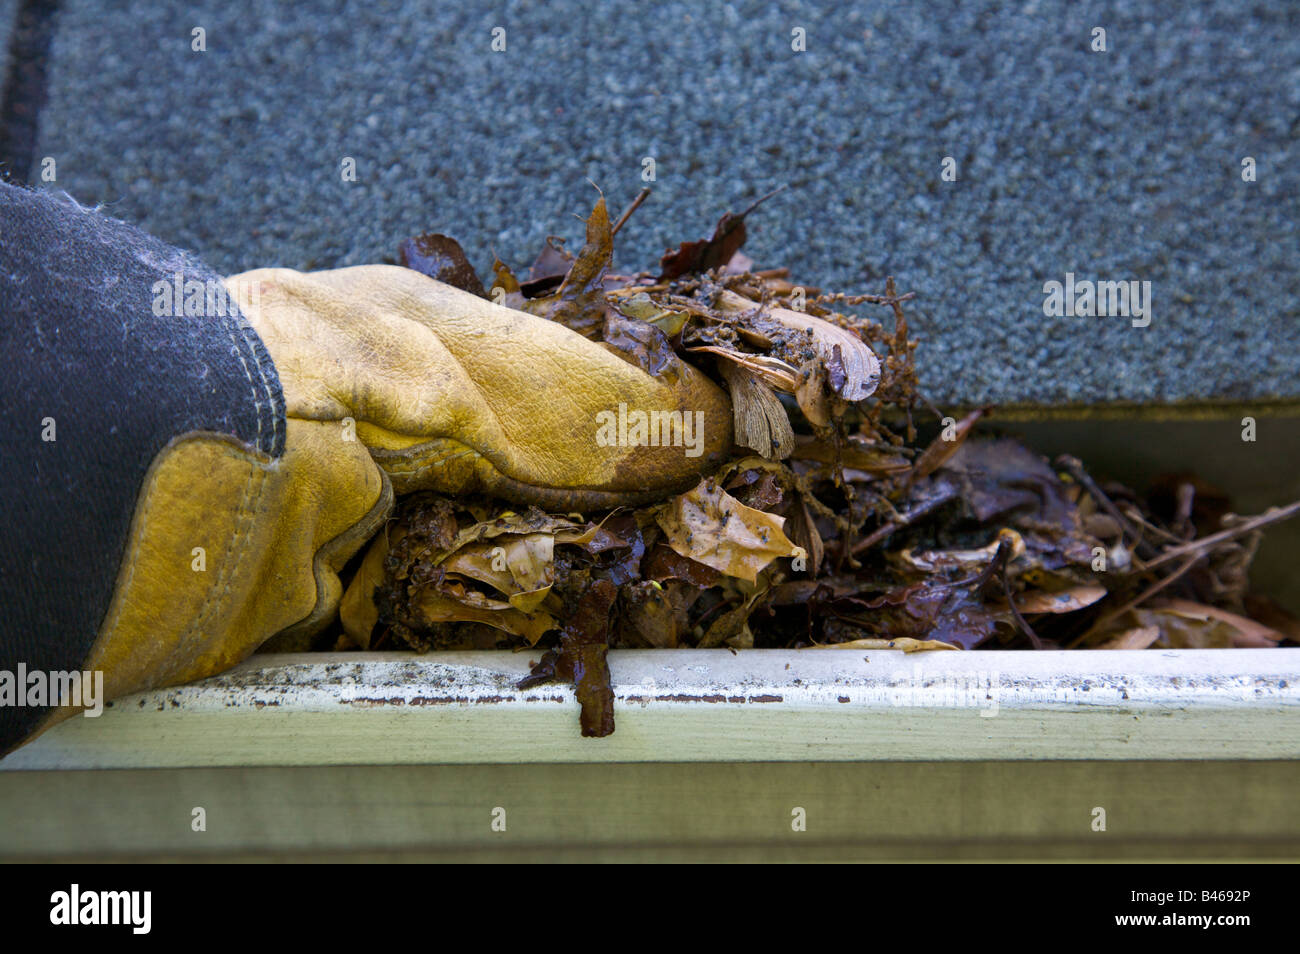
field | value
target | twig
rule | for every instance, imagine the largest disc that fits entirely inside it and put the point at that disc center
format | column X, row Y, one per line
column 1136, row 516
column 931, row 406
column 763, row 198
column 1271, row 515
column 1183, row 518
column 903, row 519
column 1137, row 601
column 1074, row 467
column 1015, row 611
column 627, row 213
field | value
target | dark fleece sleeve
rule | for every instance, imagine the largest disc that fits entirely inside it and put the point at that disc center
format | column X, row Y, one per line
column 86, row 359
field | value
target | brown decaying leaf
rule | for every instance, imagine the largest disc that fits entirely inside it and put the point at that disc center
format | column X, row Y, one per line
column 531, row 520
column 760, row 420
column 852, row 454
column 905, row 643
column 732, row 627
column 505, row 287
column 943, row 447
column 717, row 250
column 656, row 614
column 843, row 355
column 357, row 610
column 519, row 567
column 948, row 612
column 1063, row 601
column 441, row 257
column 711, row 527
column 945, row 561
column 773, row 371
column 802, row 530
column 1264, row 609
column 1183, row 624
column 961, row 543
column 1139, row 637
column 663, row 563
column 1248, row 633
column 580, row 659
column 579, row 302
column 454, row 603
column 548, row 270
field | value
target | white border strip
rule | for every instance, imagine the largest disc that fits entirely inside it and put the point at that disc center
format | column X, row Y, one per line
column 704, row 705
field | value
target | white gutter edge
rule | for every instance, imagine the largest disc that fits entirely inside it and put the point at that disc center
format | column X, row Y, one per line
column 704, row 705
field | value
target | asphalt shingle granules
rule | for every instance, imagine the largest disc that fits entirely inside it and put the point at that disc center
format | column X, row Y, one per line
column 1116, row 165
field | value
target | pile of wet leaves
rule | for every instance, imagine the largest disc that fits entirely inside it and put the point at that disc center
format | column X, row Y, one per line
column 853, row 514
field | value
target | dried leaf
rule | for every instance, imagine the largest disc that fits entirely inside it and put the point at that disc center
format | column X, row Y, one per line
column 945, row 446
column 943, row 561
column 664, row 563
column 549, row 269
column 642, row 308
column 717, row 250
column 1062, row 601
column 579, row 303
column 905, row 643
column 732, row 627
column 802, row 531
column 505, row 287
column 457, row 604
column 1139, row 637
column 927, row 609
column 509, row 522
column 441, row 257
column 760, row 419
column 1264, row 609
column 643, row 345
column 773, row 371
column 1177, row 630
column 654, row 614
column 1248, row 632
column 357, row 610
column 709, row 525
column 841, row 352
column 852, row 455
column 580, row 659
column 522, row 568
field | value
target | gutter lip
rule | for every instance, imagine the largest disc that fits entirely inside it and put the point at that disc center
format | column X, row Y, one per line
column 697, row 705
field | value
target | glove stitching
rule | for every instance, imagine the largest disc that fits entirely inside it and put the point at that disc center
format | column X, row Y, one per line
column 252, row 385
column 221, row 587
column 250, row 340
column 245, row 333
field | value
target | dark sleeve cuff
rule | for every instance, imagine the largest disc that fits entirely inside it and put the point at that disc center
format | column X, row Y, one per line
column 102, row 363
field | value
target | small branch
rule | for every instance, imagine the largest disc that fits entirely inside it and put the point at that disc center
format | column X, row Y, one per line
column 1183, row 518
column 903, row 519
column 627, row 213
column 763, row 198
column 1074, row 467
column 1137, row 601
column 1271, row 515
column 1015, row 611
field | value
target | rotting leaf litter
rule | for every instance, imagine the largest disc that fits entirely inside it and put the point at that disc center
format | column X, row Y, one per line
column 840, row 521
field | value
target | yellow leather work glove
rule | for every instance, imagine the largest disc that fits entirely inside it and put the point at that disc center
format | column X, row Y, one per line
column 392, row 382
